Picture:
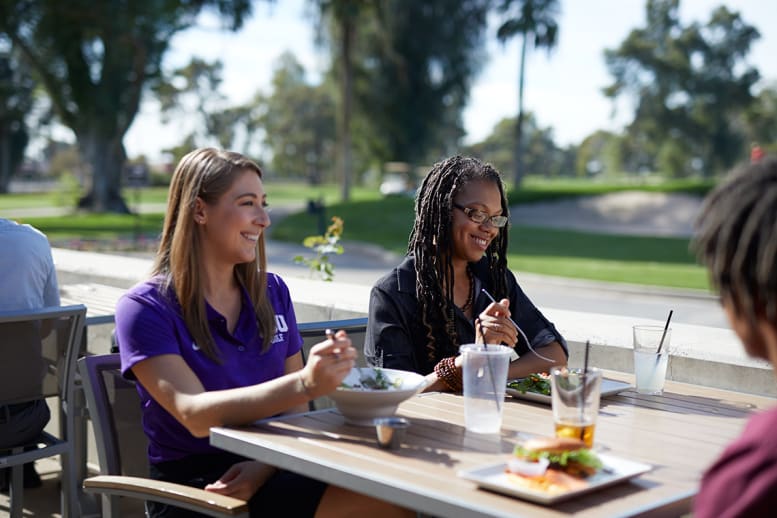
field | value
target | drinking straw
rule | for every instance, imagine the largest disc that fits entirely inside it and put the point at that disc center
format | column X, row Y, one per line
column 490, row 368
column 528, row 343
column 666, row 327
column 582, row 392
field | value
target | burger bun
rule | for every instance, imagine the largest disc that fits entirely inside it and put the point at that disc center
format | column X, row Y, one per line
column 553, row 444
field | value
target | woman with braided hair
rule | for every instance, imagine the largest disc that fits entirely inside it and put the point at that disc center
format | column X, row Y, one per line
column 438, row 297
column 737, row 240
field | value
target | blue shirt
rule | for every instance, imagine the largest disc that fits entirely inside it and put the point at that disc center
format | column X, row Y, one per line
column 149, row 323
column 28, row 279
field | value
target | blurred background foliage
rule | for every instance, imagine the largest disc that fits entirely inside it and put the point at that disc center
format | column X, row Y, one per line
column 399, row 77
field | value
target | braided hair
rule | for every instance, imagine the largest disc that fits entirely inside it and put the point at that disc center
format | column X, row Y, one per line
column 737, row 240
column 431, row 245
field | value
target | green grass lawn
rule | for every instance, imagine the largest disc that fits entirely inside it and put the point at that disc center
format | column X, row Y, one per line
column 631, row 259
column 97, row 226
column 387, row 222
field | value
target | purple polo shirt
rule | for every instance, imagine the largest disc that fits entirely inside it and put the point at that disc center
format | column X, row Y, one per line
column 149, row 323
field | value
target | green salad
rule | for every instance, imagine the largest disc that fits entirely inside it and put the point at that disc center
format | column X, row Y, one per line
column 538, row 383
column 374, row 380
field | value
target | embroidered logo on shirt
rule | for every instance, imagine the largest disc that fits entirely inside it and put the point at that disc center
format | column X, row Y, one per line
column 280, row 323
column 281, row 327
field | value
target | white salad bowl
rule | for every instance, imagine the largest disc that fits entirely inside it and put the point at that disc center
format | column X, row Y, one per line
column 360, row 405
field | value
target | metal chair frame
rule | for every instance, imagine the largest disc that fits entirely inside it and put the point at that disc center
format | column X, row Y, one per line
column 67, row 332
column 104, row 386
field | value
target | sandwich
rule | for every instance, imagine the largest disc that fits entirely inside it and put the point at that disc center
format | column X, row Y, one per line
column 552, row 464
column 563, row 453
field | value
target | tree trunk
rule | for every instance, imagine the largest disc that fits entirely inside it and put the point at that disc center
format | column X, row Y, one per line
column 105, row 156
column 517, row 150
column 347, row 93
column 5, row 161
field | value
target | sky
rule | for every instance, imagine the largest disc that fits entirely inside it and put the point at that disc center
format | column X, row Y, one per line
column 562, row 88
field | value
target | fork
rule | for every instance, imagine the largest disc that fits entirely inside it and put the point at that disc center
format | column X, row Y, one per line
column 362, row 378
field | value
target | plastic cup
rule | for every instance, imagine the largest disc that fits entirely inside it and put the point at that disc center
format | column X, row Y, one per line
column 575, row 399
column 485, row 380
column 649, row 365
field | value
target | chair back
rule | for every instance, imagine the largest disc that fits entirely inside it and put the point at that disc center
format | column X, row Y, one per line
column 314, row 332
column 114, row 407
column 38, row 353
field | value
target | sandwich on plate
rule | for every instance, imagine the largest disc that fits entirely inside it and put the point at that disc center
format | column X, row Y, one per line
column 552, row 464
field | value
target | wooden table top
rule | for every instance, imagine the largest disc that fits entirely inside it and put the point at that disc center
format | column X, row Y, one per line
column 679, row 433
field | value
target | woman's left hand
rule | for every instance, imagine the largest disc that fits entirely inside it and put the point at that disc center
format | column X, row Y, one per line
column 242, row 480
column 494, row 326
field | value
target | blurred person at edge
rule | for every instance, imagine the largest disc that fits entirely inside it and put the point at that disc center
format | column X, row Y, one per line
column 28, row 280
column 429, row 305
column 737, row 240
column 212, row 340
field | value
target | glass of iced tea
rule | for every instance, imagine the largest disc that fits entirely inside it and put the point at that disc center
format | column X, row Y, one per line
column 575, row 396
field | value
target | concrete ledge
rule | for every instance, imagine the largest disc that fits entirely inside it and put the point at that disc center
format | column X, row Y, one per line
column 708, row 356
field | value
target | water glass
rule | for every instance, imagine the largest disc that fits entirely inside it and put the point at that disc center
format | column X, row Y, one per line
column 649, row 364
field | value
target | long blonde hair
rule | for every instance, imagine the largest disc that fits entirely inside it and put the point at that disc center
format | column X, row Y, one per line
column 206, row 173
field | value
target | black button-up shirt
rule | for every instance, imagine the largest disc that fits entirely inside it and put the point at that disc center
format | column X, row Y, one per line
column 396, row 336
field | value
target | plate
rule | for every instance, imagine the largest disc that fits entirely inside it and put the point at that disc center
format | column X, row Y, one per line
column 615, row 470
column 609, row 388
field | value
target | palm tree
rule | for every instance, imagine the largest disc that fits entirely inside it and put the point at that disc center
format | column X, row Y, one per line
column 533, row 20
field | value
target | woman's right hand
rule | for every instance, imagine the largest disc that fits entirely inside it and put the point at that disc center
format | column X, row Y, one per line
column 328, row 364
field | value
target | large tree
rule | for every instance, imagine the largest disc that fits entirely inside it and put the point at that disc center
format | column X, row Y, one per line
column 16, row 100
column 417, row 67
column 760, row 121
column 689, row 83
column 535, row 21
column 193, row 89
column 299, row 123
column 94, row 59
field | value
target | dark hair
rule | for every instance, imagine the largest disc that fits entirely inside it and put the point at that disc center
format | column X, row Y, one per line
column 430, row 243
column 737, row 239
column 206, row 173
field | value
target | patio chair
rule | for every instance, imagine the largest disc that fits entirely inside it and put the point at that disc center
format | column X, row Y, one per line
column 313, row 332
column 114, row 406
column 38, row 353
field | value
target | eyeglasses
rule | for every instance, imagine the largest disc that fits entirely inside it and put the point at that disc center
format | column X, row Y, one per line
column 480, row 217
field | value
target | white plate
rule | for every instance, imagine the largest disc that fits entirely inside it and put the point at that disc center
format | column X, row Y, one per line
column 615, row 470
column 609, row 387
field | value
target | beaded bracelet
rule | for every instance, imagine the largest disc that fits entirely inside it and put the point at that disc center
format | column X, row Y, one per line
column 446, row 371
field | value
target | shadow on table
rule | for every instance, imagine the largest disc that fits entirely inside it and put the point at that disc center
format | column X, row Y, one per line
column 680, row 404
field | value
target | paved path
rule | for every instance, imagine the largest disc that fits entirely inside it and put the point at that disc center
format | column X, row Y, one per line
column 630, row 212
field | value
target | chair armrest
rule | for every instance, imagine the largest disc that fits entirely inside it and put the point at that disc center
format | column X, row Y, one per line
column 168, row 493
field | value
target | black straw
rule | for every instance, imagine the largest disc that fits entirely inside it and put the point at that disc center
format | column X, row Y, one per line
column 582, row 393
column 666, row 327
